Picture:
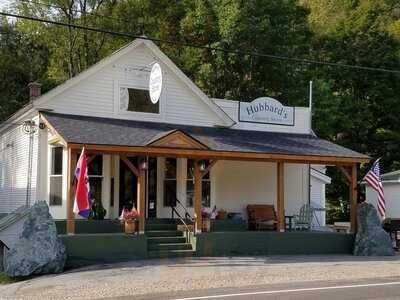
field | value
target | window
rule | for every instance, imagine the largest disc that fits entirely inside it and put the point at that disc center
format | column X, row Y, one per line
column 206, row 185
column 190, row 183
column 170, row 172
column 56, row 176
column 95, row 174
column 137, row 100
column 112, row 192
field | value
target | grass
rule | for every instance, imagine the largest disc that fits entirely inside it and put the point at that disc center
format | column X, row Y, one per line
column 4, row 279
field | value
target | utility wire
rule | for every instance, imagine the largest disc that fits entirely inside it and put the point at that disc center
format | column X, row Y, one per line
column 205, row 47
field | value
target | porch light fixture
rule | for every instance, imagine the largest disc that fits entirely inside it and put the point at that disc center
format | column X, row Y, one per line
column 143, row 165
column 202, row 165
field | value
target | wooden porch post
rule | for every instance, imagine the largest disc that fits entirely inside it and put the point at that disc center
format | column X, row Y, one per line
column 70, row 191
column 353, row 198
column 281, row 196
column 198, row 196
column 141, row 200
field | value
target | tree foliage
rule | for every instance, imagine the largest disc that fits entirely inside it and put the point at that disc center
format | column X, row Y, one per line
column 355, row 108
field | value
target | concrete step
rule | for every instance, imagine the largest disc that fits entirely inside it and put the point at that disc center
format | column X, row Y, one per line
column 170, row 253
column 162, row 221
column 170, row 246
column 166, row 221
column 166, row 240
column 164, row 233
column 161, row 226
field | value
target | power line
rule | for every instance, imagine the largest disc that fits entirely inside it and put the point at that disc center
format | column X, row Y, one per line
column 204, row 47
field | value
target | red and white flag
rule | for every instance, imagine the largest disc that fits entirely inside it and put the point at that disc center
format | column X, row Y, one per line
column 82, row 193
column 373, row 178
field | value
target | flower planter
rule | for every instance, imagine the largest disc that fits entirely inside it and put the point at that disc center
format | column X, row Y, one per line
column 130, row 226
column 206, row 225
column 222, row 215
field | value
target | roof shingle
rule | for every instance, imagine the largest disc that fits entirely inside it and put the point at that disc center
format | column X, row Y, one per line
column 107, row 131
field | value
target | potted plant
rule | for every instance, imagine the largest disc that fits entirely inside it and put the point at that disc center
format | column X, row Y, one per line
column 206, row 220
column 129, row 218
column 98, row 211
column 222, row 214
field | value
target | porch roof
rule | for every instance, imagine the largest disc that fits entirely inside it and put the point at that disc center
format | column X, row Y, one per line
column 77, row 129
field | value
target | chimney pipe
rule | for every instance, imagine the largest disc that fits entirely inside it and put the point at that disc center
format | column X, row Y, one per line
column 35, row 90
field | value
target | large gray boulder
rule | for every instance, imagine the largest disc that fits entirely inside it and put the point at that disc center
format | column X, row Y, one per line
column 371, row 239
column 39, row 250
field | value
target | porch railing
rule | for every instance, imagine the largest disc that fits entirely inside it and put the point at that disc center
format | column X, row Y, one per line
column 173, row 203
column 188, row 231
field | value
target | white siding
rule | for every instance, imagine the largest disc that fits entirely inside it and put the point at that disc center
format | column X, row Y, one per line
column 392, row 198
column 238, row 184
column 98, row 95
column 317, row 197
column 302, row 119
column 14, row 154
column 11, row 234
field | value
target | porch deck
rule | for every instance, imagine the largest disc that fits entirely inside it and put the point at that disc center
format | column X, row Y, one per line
column 104, row 242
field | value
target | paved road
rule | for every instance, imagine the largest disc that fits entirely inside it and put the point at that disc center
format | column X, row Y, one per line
column 206, row 276
column 384, row 288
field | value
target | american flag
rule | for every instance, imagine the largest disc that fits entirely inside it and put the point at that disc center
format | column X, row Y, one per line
column 373, row 178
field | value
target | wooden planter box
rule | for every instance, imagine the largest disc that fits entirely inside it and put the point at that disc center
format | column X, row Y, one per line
column 130, row 226
column 206, row 225
column 222, row 215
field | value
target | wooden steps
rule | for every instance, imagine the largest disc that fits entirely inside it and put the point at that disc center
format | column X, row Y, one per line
column 165, row 241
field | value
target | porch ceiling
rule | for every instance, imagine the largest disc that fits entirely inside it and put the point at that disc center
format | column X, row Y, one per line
column 115, row 135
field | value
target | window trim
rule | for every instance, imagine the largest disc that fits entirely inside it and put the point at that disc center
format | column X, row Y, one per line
column 204, row 179
column 51, row 147
column 127, row 85
column 99, row 176
column 170, row 179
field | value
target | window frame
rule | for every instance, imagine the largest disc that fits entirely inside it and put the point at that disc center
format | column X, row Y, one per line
column 206, row 178
column 97, row 176
column 51, row 175
column 165, row 179
column 128, row 85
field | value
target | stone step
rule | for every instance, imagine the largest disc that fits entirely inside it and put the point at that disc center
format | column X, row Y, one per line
column 170, row 253
column 170, row 246
column 163, row 233
column 166, row 240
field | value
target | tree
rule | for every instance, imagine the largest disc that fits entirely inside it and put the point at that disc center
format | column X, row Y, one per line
column 357, row 109
column 23, row 59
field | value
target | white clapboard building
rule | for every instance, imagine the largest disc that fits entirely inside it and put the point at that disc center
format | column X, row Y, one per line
column 176, row 144
column 391, row 188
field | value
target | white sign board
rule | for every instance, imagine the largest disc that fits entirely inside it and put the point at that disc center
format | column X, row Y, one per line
column 266, row 110
column 155, row 83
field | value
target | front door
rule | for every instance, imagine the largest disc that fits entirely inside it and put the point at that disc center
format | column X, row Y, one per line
column 151, row 188
column 128, row 186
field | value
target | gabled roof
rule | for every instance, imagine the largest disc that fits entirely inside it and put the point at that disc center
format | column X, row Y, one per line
column 122, row 133
column 159, row 55
column 320, row 176
column 176, row 139
column 395, row 175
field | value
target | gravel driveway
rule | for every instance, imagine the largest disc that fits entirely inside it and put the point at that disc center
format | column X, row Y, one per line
column 152, row 276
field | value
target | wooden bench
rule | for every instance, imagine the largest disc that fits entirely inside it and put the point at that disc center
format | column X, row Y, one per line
column 261, row 217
